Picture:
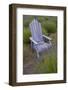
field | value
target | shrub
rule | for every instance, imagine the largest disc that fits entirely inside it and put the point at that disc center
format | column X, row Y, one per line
column 26, row 23
column 46, row 18
column 26, row 35
column 40, row 19
column 50, row 27
column 44, row 31
column 27, row 20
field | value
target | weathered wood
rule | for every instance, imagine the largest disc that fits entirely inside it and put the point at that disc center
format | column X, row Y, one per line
column 37, row 37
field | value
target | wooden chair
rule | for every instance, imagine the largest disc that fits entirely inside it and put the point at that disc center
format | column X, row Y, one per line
column 39, row 42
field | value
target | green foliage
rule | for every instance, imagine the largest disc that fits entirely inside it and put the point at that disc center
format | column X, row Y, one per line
column 26, row 35
column 44, row 31
column 27, row 20
column 26, row 23
column 50, row 27
column 40, row 19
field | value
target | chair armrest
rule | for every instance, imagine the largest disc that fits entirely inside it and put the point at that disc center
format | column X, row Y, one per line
column 33, row 40
column 47, row 37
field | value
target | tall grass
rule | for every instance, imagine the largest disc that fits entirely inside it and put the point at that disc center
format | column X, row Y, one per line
column 47, row 65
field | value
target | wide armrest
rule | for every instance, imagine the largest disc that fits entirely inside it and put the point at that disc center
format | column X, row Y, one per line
column 33, row 40
column 47, row 37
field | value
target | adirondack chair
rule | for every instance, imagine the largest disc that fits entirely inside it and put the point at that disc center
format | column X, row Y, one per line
column 39, row 42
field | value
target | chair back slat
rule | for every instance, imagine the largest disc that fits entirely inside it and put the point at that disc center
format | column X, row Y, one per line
column 36, row 30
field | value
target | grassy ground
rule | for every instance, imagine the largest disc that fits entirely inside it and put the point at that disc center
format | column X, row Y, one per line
column 48, row 63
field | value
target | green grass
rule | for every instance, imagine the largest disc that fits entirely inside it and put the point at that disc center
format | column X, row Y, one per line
column 47, row 65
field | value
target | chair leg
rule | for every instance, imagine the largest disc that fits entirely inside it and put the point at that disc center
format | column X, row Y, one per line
column 38, row 55
column 31, row 45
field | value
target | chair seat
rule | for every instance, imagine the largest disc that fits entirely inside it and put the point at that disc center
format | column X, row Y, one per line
column 42, row 47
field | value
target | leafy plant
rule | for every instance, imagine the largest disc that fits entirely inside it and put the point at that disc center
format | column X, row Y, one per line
column 26, row 35
column 44, row 31
column 50, row 27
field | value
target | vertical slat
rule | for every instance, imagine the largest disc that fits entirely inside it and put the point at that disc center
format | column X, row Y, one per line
column 36, row 30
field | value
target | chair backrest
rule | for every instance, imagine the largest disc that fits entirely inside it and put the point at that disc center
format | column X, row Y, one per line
column 36, row 30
